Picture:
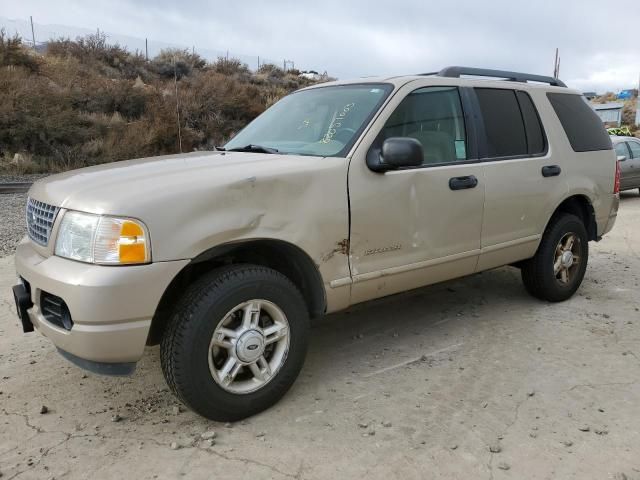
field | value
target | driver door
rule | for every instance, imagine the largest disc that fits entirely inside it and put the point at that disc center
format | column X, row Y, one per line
column 419, row 225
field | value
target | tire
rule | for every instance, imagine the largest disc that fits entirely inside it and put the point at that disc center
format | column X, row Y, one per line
column 538, row 273
column 194, row 371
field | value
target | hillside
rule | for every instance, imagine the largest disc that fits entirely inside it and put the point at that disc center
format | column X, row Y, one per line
column 86, row 102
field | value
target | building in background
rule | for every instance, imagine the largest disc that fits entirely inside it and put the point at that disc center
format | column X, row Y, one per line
column 625, row 95
column 610, row 113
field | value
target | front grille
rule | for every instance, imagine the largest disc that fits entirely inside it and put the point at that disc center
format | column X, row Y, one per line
column 55, row 310
column 40, row 218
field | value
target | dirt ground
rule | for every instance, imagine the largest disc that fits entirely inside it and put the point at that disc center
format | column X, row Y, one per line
column 418, row 386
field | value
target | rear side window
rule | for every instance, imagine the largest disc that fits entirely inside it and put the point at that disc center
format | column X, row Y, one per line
column 582, row 125
column 503, row 122
column 535, row 135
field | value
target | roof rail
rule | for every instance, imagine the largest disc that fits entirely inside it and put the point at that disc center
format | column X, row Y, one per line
column 457, row 72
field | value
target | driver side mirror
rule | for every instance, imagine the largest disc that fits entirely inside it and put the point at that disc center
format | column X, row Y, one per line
column 622, row 158
column 397, row 152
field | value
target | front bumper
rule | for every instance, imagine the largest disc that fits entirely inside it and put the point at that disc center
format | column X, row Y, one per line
column 111, row 306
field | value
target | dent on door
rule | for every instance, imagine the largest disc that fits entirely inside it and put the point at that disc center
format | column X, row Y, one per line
column 412, row 229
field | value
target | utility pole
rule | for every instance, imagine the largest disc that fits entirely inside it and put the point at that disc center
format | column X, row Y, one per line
column 258, row 62
column 556, row 64
column 175, row 82
column 638, row 104
column 33, row 35
column 146, row 49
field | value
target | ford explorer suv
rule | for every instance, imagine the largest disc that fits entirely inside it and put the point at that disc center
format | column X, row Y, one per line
column 338, row 194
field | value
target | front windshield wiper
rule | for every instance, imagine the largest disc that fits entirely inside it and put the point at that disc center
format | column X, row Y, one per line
column 253, row 148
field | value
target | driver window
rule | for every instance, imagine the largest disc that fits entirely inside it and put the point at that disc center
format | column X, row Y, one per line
column 433, row 116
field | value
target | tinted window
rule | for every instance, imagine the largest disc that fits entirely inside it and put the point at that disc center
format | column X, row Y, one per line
column 582, row 125
column 433, row 116
column 621, row 149
column 635, row 149
column 535, row 134
column 503, row 122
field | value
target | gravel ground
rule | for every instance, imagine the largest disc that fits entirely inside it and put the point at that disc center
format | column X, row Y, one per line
column 12, row 219
column 470, row 379
column 21, row 178
column 12, row 216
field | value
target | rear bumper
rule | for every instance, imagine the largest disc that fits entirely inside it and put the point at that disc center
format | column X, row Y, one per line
column 613, row 214
column 111, row 307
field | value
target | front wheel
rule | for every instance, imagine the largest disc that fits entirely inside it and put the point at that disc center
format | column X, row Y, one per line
column 236, row 342
column 556, row 271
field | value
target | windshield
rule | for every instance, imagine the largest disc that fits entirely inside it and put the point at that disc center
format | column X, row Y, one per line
column 323, row 121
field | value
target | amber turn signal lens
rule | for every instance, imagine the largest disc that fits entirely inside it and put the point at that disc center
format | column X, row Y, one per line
column 132, row 244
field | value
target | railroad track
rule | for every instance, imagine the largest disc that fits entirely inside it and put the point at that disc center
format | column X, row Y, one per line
column 16, row 187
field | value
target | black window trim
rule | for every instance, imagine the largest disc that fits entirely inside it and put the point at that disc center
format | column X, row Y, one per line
column 482, row 136
column 471, row 140
column 545, row 141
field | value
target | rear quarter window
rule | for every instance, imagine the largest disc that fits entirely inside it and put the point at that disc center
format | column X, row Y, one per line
column 583, row 127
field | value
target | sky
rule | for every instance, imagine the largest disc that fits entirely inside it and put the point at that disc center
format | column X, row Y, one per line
column 599, row 41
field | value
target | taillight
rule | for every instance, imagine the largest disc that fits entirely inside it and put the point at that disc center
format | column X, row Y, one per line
column 616, row 182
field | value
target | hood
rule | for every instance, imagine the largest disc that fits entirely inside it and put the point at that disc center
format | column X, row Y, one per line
column 193, row 202
column 132, row 186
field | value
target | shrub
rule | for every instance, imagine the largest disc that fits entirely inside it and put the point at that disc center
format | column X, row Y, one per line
column 93, row 50
column 175, row 62
column 13, row 53
column 230, row 66
column 271, row 70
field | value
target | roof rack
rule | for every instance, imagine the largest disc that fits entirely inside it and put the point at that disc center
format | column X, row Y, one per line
column 457, row 72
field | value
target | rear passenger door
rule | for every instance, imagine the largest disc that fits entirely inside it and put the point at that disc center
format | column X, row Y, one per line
column 634, row 163
column 521, row 181
column 626, row 173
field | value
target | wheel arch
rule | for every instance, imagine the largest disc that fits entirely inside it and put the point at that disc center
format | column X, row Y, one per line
column 282, row 256
column 580, row 206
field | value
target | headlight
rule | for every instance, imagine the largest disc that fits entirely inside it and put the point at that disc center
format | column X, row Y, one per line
column 102, row 239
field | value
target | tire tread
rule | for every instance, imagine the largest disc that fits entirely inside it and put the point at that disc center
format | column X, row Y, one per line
column 533, row 272
column 184, row 318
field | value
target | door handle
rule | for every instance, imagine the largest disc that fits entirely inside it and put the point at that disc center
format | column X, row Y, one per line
column 461, row 183
column 551, row 171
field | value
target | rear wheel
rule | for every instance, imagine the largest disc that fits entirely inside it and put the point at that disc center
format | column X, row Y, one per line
column 556, row 271
column 236, row 342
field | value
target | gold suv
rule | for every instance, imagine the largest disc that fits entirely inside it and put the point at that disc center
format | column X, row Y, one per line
column 338, row 194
